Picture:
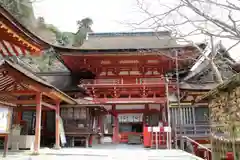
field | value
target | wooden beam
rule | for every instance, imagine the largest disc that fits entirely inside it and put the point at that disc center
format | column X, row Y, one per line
column 33, row 102
column 8, row 104
column 24, row 102
column 61, row 97
column 80, row 105
column 19, row 93
column 21, row 77
column 175, row 104
column 51, row 96
column 49, row 105
column 9, row 85
column 157, row 100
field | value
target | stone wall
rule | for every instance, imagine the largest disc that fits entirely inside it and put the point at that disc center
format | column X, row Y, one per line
column 225, row 107
column 224, row 115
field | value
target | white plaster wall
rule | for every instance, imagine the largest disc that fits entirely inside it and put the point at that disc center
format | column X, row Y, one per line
column 154, row 106
column 123, row 73
column 172, row 98
column 127, row 106
column 108, row 107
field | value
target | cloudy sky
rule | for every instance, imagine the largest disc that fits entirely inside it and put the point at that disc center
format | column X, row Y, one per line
column 107, row 15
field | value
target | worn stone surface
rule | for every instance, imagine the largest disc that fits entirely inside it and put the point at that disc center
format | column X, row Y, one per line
column 106, row 152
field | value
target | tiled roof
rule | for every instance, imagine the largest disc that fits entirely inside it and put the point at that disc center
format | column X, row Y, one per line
column 232, row 83
column 192, row 86
column 203, row 65
column 61, row 80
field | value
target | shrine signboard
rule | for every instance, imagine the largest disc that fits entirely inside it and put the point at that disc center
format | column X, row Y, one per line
column 5, row 118
column 130, row 118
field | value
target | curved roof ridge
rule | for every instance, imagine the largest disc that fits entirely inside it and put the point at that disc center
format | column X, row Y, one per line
column 117, row 34
column 26, row 32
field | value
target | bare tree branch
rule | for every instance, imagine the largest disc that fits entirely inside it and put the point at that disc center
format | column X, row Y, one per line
column 188, row 18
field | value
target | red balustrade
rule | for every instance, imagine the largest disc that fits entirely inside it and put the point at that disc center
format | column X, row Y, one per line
column 200, row 150
column 121, row 81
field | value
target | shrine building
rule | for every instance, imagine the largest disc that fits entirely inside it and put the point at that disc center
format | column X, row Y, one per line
column 126, row 73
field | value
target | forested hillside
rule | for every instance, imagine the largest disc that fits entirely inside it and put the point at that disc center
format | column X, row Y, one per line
column 23, row 11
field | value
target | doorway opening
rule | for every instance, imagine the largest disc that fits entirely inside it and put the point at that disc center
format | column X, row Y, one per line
column 131, row 132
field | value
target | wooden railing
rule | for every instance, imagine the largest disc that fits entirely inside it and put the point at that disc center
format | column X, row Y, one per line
column 207, row 153
column 122, row 81
column 225, row 140
column 193, row 131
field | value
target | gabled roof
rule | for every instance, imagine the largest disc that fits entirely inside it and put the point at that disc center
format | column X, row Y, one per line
column 203, row 65
column 195, row 86
column 37, row 80
column 124, row 42
column 130, row 40
column 229, row 85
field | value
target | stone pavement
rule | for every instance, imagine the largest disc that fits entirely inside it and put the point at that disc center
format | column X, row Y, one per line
column 107, row 152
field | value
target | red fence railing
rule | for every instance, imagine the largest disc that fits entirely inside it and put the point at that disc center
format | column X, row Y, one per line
column 119, row 81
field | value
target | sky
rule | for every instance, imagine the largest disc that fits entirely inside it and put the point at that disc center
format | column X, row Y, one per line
column 107, row 15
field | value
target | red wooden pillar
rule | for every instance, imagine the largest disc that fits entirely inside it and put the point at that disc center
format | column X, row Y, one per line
column 146, row 133
column 146, row 111
column 38, row 123
column 18, row 115
column 100, row 129
column 57, row 133
column 116, row 125
column 90, row 141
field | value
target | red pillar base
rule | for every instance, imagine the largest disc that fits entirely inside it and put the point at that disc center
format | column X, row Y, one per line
column 229, row 156
column 115, row 131
column 115, row 138
column 57, row 147
column 35, row 153
column 5, row 146
column 90, row 140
